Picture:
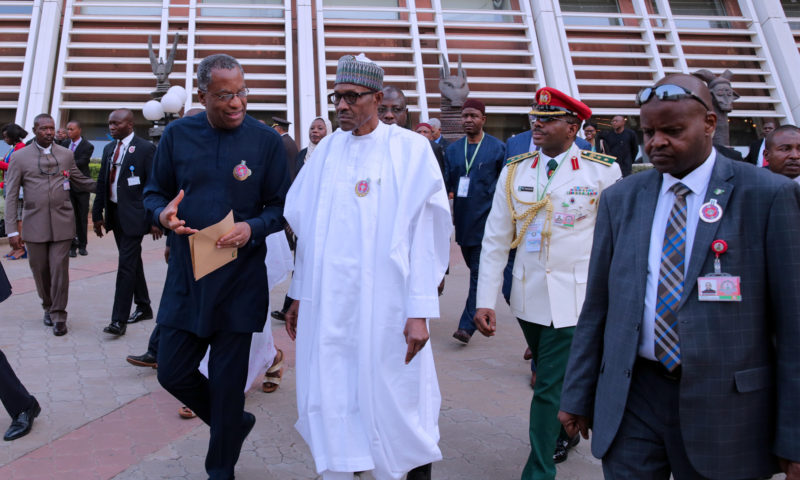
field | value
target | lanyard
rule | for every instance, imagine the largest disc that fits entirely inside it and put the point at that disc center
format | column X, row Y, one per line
column 468, row 164
column 538, row 170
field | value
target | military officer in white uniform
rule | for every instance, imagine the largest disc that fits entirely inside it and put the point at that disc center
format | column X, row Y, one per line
column 545, row 205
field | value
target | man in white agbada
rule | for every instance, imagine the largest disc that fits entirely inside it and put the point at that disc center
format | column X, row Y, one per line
column 373, row 225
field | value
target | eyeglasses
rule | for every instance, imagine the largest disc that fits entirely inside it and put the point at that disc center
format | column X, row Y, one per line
column 227, row 97
column 667, row 92
column 350, row 98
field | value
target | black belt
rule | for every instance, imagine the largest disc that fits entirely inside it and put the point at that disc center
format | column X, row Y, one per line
column 658, row 368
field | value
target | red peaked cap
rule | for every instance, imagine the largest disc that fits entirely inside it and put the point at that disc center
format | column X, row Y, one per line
column 550, row 101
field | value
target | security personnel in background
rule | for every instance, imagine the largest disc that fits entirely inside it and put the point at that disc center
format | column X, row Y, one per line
column 281, row 125
column 545, row 206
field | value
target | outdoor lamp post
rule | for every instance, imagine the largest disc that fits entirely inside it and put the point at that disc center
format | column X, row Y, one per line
column 163, row 111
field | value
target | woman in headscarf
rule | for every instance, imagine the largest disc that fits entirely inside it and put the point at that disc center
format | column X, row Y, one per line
column 320, row 127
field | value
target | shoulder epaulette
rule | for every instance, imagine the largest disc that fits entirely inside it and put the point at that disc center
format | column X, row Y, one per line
column 522, row 156
column 601, row 158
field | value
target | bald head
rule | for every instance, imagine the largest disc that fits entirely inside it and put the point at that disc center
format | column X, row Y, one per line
column 392, row 109
column 120, row 123
column 678, row 132
column 691, row 83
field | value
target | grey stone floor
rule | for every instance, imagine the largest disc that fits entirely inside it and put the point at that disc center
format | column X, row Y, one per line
column 83, row 376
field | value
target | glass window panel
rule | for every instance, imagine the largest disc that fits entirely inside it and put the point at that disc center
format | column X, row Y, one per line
column 792, row 10
column 590, row 6
column 148, row 8
column 224, row 11
column 487, row 5
column 699, row 8
column 364, row 13
column 16, row 9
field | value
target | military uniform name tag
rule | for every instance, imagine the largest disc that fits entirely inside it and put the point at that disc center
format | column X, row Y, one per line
column 463, row 187
column 132, row 181
column 65, row 185
column 533, row 237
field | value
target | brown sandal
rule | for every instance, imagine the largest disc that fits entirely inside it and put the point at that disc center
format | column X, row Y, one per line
column 186, row 412
column 272, row 379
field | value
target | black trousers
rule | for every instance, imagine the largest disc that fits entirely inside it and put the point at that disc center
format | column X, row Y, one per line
column 13, row 394
column 219, row 399
column 152, row 344
column 80, row 203
column 131, row 284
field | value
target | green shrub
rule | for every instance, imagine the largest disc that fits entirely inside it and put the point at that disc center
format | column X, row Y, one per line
column 94, row 169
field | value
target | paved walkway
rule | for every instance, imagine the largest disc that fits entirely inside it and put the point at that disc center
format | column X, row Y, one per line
column 103, row 418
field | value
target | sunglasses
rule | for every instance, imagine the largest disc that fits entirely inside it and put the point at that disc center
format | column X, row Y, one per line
column 546, row 118
column 667, row 92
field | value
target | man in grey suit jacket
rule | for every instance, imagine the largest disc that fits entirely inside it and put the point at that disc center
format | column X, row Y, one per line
column 47, row 173
column 720, row 398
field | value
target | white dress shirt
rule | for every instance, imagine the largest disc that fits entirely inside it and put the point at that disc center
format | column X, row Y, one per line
column 125, row 143
column 697, row 182
column 760, row 159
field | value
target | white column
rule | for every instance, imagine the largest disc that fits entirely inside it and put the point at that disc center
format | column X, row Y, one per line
column 289, row 56
column 553, row 47
column 44, row 61
column 782, row 49
column 27, row 68
column 189, row 82
column 419, row 72
column 305, row 70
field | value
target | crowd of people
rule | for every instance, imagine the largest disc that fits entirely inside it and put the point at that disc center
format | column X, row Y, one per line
column 601, row 268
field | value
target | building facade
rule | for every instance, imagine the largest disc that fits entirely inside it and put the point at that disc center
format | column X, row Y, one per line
column 80, row 59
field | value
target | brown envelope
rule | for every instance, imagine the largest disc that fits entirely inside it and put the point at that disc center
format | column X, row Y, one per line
column 206, row 257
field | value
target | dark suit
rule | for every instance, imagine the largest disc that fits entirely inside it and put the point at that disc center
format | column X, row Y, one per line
column 737, row 397
column 80, row 200
column 13, row 394
column 291, row 154
column 127, row 219
column 752, row 154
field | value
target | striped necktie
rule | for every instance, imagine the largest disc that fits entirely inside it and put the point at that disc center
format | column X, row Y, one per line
column 670, row 282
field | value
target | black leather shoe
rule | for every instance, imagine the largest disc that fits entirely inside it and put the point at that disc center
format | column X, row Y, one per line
column 116, row 328
column 278, row 315
column 420, row 473
column 146, row 360
column 140, row 314
column 59, row 329
column 48, row 322
column 73, row 253
column 22, row 423
column 83, row 252
column 248, row 422
column 462, row 335
column 563, row 447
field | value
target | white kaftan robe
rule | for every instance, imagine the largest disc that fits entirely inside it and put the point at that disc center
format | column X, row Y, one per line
column 365, row 264
column 279, row 263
